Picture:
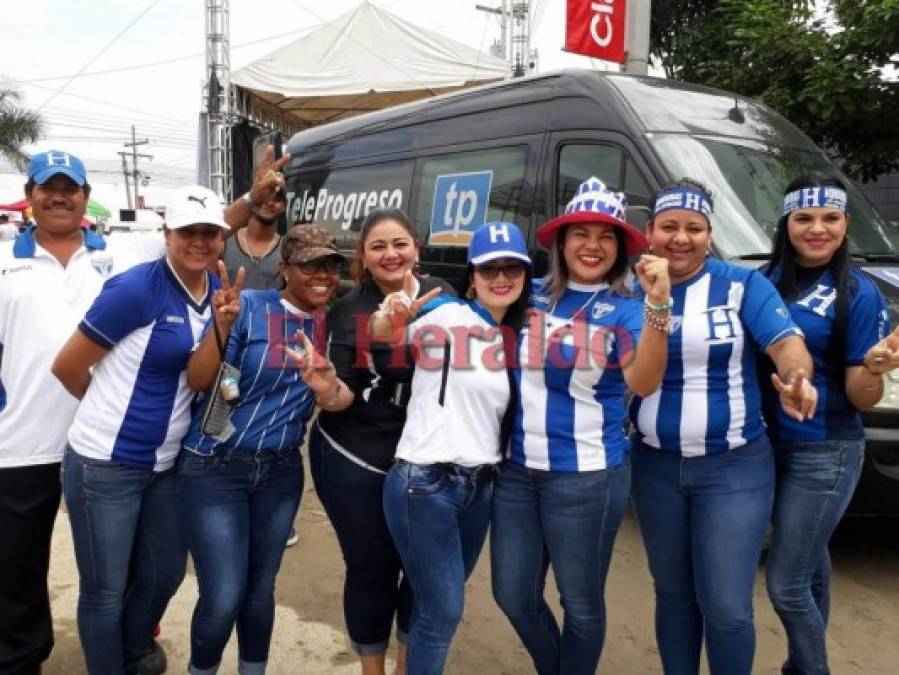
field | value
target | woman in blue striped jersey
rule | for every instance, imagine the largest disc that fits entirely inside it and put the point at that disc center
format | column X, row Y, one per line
column 845, row 321
column 561, row 493
column 239, row 488
column 703, row 482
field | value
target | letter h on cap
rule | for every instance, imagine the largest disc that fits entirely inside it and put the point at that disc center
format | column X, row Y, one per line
column 499, row 231
column 60, row 159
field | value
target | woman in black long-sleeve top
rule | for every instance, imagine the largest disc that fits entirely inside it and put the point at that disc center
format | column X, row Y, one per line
column 353, row 444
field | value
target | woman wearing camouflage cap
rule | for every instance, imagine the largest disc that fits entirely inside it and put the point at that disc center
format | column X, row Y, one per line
column 240, row 487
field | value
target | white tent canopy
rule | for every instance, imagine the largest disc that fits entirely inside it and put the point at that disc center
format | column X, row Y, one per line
column 364, row 60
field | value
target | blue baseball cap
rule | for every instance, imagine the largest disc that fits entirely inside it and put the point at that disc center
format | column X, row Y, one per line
column 497, row 240
column 45, row 165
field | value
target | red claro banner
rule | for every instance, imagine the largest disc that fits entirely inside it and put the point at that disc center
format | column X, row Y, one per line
column 597, row 28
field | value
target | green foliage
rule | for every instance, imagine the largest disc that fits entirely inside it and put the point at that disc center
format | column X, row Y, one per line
column 18, row 126
column 825, row 74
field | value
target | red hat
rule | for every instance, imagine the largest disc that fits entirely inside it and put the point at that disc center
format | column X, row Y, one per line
column 595, row 203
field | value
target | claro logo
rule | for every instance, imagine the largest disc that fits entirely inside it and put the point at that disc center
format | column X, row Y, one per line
column 601, row 25
column 324, row 207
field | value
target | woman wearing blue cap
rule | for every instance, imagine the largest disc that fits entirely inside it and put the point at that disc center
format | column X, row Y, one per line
column 560, row 495
column 703, row 471
column 437, row 494
column 845, row 321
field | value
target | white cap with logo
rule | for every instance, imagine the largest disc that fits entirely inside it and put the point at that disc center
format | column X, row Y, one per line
column 194, row 205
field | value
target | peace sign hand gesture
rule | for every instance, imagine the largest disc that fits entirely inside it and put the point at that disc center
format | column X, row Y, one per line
column 317, row 372
column 398, row 309
column 884, row 356
column 226, row 300
column 798, row 397
column 268, row 179
column 402, row 304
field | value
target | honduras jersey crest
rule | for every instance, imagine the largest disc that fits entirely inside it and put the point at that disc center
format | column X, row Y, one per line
column 102, row 262
column 601, row 309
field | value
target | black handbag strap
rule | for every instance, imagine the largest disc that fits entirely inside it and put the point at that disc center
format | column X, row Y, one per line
column 218, row 339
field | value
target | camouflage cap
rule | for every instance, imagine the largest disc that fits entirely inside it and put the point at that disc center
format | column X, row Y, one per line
column 303, row 243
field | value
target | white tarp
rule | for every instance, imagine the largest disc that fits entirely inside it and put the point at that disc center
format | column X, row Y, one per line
column 366, row 59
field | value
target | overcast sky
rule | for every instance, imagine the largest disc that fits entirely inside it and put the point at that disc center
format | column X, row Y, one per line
column 46, row 42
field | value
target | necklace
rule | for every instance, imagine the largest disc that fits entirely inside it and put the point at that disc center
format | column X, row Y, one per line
column 244, row 239
column 579, row 310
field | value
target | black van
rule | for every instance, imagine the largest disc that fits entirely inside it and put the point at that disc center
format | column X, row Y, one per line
column 517, row 150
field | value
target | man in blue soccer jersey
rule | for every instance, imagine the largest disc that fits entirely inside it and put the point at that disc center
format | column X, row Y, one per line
column 49, row 276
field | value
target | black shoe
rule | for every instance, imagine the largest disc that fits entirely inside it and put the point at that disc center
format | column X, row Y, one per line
column 154, row 663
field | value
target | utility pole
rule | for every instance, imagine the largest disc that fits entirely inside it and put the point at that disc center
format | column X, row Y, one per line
column 638, row 18
column 522, row 58
column 135, row 172
column 126, row 174
column 516, row 42
column 502, row 48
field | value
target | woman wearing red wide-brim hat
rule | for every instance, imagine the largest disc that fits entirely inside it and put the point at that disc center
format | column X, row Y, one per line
column 561, row 493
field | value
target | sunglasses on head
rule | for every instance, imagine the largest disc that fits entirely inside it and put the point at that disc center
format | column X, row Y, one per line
column 328, row 265
column 490, row 271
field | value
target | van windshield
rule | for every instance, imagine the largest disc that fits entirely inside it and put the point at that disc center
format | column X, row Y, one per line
column 747, row 179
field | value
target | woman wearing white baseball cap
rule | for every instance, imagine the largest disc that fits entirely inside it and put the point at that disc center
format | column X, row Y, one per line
column 437, row 494
column 126, row 364
column 560, row 495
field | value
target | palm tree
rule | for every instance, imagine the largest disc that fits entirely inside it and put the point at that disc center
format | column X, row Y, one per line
column 18, row 126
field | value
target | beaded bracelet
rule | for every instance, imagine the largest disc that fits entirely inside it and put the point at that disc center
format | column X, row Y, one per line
column 664, row 307
column 657, row 320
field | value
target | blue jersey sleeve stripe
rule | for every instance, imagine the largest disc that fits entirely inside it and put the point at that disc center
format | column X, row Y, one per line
column 789, row 332
column 95, row 334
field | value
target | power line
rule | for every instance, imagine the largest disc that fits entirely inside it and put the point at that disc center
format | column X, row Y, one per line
column 109, row 104
column 109, row 44
column 162, row 62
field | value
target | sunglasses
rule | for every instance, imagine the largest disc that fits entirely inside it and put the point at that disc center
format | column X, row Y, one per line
column 328, row 265
column 512, row 271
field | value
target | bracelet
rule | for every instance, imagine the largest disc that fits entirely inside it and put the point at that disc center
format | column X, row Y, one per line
column 331, row 401
column 248, row 200
column 664, row 307
column 656, row 320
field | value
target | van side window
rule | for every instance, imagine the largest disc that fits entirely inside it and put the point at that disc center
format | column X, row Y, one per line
column 457, row 193
column 610, row 163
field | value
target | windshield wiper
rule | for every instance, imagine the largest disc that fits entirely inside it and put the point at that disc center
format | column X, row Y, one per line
column 752, row 256
column 877, row 257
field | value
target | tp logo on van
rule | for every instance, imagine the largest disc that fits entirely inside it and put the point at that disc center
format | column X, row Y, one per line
column 460, row 206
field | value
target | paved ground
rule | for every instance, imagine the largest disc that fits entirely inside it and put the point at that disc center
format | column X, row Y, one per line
column 309, row 636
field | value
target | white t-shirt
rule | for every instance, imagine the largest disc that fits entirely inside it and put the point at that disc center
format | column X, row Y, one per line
column 460, row 389
column 41, row 303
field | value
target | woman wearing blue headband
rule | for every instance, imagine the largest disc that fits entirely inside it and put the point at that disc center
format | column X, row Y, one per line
column 844, row 318
column 703, row 471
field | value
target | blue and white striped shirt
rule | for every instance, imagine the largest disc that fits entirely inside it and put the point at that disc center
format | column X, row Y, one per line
column 710, row 401
column 137, row 407
column 571, row 387
column 275, row 404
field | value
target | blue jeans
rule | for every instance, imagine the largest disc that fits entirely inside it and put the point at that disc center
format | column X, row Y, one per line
column 568, row 520
column 815, row 482
column 703, row 521
column 439, row 522
column 237, row 508
column 374, row 588
column 130, row 552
